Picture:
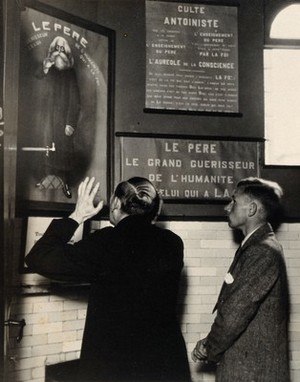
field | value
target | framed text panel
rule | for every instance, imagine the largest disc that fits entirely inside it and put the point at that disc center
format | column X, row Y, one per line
column 192, row 57
column 190, row 170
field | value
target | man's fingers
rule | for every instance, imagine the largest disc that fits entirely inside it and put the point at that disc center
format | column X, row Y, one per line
column 89, row 186
column 82, row 187
column 85, row 187
column 194, row 358
column 99, row 207
column 199, row 352
column 95, row 190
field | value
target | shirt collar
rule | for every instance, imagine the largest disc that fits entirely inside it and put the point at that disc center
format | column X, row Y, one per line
column 250, row 234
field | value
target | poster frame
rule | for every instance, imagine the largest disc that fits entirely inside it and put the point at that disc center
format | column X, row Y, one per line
column 194, row 208
column 26, row 207
column 201, row 112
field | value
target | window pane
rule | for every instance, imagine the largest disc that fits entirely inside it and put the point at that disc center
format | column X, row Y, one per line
column 286, row 23
column 282, row 106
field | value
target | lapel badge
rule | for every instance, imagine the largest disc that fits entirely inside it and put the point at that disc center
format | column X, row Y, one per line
column 228, row 278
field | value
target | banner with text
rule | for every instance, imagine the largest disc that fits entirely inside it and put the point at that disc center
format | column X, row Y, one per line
column 191, row 57
column 190, row 169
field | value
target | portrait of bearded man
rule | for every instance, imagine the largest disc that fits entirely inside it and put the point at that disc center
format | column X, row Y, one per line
column 62, row 110
column 60, row 100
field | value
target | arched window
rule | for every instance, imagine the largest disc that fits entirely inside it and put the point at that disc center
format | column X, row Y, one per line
column 282, row 89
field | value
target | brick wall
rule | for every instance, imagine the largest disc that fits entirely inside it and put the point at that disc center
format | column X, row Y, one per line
column 54, row 323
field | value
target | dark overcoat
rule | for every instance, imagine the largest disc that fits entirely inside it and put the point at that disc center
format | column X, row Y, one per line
column 131, row 331
column 249, row 337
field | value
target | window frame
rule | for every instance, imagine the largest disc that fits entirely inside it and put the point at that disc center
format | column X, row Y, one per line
column 272, row 9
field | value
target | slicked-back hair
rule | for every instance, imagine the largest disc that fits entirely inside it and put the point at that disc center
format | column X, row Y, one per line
column 269, row 193
column 138, row 196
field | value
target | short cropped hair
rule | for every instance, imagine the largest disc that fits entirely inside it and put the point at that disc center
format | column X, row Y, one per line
column 268, row 192
column 138, row 196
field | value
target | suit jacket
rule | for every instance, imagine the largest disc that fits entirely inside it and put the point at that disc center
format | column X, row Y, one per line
column 131, row 331
column 249, row 337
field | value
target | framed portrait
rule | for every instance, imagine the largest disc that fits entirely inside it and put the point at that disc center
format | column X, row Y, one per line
column 192, row 64
column 65, row 103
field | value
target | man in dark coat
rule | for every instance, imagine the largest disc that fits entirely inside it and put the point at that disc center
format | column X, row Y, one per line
column 249, row 337
column 61, row 108
column 131, row 331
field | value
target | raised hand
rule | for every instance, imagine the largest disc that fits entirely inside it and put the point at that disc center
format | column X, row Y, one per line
column 85, row 207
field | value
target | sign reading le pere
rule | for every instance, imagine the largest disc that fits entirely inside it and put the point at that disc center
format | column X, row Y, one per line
column 191, row 57
column 189, row 169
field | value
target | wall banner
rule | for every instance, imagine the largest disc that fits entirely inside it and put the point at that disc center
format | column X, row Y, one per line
column 184, row 169
column 191, row 57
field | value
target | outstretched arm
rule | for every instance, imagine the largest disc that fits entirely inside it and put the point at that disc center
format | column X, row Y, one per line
column 53, row 256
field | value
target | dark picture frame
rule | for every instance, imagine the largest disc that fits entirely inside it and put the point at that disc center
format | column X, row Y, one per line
column 192, row 63
column 65, row 109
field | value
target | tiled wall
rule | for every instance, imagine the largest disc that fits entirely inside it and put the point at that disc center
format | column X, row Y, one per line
column 54, row 323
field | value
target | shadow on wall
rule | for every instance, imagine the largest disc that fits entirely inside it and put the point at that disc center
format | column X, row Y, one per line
column 183, row 287
column 207, row 368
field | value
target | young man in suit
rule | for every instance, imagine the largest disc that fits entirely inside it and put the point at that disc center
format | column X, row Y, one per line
column 249, row 337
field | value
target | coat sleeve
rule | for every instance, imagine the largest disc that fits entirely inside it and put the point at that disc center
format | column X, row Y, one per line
column 53, row 257
column 242, row 299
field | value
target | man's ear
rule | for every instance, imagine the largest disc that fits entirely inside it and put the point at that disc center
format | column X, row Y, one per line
column 252, row 208
column 115, row 203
